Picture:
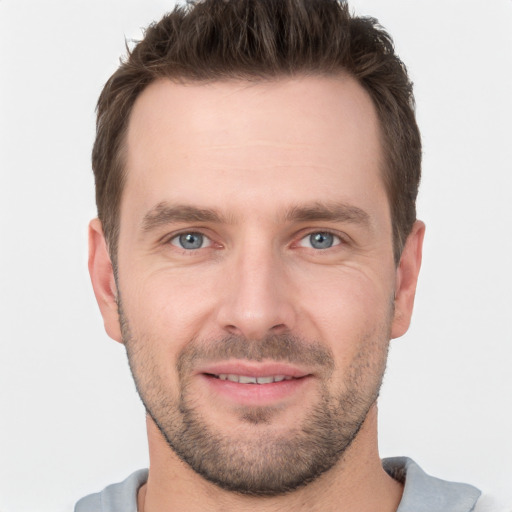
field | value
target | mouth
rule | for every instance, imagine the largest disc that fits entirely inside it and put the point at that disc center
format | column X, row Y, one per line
column 253, row 383
column 249, row 379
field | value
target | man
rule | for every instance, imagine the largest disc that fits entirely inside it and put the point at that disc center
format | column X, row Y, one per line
column 257, row 165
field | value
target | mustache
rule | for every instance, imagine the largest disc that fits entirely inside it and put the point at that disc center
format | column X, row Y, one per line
column 276, row 347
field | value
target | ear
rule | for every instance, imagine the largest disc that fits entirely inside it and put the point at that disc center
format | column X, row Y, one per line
column 103, row 282
column 406, row 280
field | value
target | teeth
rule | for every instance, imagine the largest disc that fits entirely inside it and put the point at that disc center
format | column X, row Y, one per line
column 265, row 380
column 245, row 379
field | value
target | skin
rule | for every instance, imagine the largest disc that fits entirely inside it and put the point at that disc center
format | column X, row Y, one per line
column 253, row 153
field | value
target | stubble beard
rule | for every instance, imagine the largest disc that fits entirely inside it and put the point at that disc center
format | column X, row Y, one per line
column 267, row 463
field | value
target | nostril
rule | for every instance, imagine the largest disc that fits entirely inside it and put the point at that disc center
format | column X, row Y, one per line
column 232, row 329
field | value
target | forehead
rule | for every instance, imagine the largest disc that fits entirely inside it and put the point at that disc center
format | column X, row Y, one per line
column 235, row 143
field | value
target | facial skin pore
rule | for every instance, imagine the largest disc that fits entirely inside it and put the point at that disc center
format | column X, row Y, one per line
column 256, row 244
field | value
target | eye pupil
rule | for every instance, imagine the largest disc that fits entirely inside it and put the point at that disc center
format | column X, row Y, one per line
column 191, row 240
column 321, row 240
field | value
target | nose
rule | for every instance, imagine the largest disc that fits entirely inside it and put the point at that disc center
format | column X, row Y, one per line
column 257, row 295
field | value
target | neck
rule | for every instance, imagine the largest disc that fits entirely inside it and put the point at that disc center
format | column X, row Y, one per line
column 356, row 483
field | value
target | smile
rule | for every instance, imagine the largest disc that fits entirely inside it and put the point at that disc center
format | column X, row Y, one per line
column 246, row 379
column 243, row 383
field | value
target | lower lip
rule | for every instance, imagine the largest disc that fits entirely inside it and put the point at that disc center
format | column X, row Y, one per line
column 256, row 394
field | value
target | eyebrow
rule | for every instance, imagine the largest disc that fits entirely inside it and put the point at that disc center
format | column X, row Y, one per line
column 332, row 212
column 164, row 213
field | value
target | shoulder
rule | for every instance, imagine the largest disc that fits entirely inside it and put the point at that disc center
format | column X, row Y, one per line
column 120, row 497
column 425, row 493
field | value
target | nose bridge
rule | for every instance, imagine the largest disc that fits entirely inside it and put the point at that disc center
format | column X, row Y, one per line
column 257, row 301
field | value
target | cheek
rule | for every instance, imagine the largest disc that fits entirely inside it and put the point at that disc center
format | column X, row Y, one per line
column 167, row 306
column 356, row 327
column 162, row 317
column 346, row 309
column 347, row 294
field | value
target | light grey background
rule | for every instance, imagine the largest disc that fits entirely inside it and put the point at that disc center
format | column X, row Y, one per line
column 70, row 420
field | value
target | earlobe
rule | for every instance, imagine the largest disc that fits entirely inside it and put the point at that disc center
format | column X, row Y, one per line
column 406, row 280
column 102, row 278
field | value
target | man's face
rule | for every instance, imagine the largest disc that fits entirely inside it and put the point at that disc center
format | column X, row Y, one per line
column 256, row 279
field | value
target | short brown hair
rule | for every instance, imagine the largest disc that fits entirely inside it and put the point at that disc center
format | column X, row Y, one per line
column 257, row 40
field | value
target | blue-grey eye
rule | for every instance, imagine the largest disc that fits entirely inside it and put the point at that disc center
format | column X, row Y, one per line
column 320, row 240
column 190, row 241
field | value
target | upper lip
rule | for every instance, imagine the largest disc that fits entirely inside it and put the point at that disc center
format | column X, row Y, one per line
column 253, row 369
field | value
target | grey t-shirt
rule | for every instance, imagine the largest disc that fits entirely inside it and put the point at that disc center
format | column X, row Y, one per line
column 422, row 493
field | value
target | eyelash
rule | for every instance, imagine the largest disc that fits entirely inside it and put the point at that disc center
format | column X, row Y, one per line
column 177, row 237
column 337, row 240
